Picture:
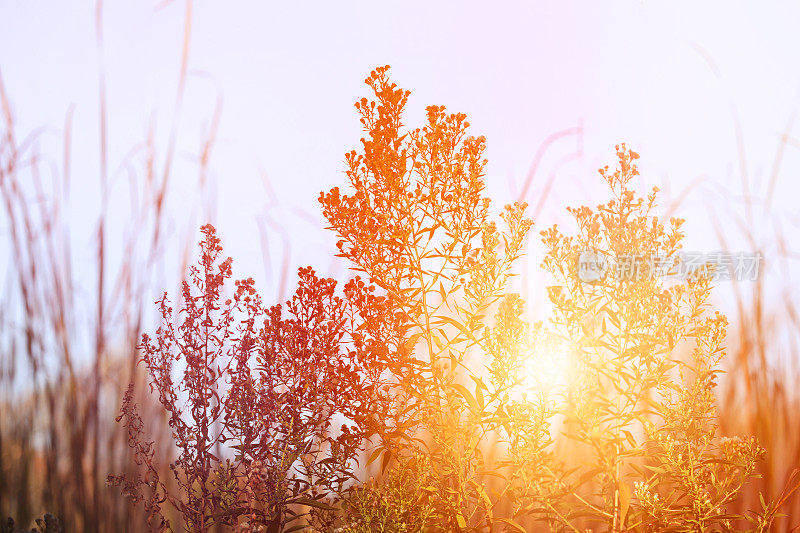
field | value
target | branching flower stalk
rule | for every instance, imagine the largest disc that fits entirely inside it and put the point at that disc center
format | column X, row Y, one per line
column 417, row 223
column 252, row 394
column 647, row 355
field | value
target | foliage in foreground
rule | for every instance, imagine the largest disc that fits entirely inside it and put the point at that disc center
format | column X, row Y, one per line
column 430, row 375
column 47, row 524
column 251, row 395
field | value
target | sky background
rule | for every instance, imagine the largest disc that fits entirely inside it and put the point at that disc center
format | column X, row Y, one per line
column 705, row 92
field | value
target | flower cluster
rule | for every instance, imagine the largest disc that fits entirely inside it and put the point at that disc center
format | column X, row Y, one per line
column 252, row 395
column 642, row 403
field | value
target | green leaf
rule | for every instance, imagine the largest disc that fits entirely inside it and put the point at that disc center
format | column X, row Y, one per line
column 453, row 322
column 514, row 525
column 630, row 438
column 313, row 503
column 387, row 456
column 467, row 395
column 479, row 382
column 374, row 455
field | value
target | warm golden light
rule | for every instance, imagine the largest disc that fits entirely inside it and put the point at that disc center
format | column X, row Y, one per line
column 544, row 371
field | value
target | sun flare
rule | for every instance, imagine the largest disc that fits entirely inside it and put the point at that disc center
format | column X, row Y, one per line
column 545, row 371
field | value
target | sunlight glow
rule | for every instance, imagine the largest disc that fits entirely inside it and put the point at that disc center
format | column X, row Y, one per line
column 545, row 371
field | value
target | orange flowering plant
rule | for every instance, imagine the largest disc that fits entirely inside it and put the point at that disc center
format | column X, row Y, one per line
column 418, row 224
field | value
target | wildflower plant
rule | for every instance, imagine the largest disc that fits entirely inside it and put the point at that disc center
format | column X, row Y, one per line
column 252, row 394
column 646, row 356
column 417, row 223
column 427, row 374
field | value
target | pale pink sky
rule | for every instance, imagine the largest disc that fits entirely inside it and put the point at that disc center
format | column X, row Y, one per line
column 666, row 77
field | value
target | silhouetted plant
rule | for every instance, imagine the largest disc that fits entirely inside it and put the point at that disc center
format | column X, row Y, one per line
column 252, row 405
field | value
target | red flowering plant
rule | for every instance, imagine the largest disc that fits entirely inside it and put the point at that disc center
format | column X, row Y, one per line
column 252, row 395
